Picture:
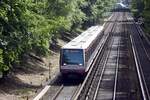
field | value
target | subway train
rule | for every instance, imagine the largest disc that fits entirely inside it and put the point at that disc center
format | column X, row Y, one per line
column 77, row 56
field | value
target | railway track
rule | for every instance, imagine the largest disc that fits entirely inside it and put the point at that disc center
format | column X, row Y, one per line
column 114, row 73
column 61, row 93
column 106, row 75
column 102, row 74
column 112, row 78
column 68, row 93
column 142, row 60
column 62, row 89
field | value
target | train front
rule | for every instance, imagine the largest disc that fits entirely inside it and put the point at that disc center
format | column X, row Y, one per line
column 72, row 62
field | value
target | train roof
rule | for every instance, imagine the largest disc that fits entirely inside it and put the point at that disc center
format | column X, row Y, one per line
column 84, row 39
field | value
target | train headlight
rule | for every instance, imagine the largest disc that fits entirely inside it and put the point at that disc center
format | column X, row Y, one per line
column 64, row 64
column 80, row 64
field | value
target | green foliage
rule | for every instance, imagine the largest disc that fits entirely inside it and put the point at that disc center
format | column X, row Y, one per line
column 29, row 25
column 146, row 16
column 145, row 13
column 96, row 10
column 66, row 12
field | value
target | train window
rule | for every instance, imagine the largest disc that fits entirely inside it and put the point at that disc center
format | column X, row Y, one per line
column 72, row 56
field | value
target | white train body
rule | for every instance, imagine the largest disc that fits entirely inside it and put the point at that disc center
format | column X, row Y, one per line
column 76, row 56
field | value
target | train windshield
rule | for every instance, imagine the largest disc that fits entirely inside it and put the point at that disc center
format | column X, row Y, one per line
column 72, row 56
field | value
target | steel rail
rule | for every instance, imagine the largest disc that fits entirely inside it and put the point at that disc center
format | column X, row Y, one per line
column 99, row 70
column 41, row 94
column 106, row 22
column 102, row 73
column 141, row 68
column 141, row 41
column 116, row 76
column 118, row 53
column 140, row 72
column 140, row 75
column 90, row 71
column 58, row 92
column 118, row 58
column 76, row 91
column 112, row 19
column 116, row 72
column 61, row 88
column 138, row 66
column 140, row 31
column 86, row 79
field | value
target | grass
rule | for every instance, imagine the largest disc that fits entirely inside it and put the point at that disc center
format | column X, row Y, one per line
column 24, row 91
column 146, row 15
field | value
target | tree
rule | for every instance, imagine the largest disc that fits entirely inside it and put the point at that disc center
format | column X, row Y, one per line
column 29, row 25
